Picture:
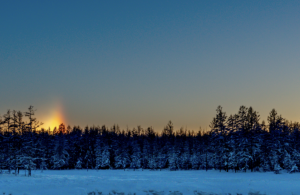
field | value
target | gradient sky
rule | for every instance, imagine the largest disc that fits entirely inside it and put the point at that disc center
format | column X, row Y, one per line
column 147, row 62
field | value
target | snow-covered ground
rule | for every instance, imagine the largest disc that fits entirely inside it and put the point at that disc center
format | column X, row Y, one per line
column 77, row 182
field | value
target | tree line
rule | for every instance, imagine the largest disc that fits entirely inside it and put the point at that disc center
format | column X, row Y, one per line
column 238, row 142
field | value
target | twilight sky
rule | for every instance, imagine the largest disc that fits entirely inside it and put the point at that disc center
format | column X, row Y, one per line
column 147, row 62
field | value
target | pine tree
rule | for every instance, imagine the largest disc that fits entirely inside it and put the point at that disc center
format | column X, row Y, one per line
column 98, row 152
column 184, row 159
column 60, row 157
column 173, row 158
column 27, row 157
column 122, row 159
column 105, row 161
column 161, row 160
column 135, row 156
column 78, row 163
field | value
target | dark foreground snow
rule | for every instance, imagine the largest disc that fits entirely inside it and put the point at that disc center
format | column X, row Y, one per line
column 81, row 182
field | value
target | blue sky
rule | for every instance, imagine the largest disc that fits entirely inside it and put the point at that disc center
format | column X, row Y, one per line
column 146, row 62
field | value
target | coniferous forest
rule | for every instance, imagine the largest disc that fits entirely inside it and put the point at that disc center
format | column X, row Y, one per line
column 238, row 142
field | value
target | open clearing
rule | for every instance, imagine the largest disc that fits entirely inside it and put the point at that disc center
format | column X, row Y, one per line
column 81, row 182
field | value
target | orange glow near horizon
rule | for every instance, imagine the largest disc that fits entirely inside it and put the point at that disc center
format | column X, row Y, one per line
column 55, row 118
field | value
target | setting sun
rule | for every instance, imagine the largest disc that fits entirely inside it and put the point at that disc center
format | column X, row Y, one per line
column 55, row 118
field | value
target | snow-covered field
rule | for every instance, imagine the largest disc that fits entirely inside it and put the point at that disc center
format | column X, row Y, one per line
column 77, row 182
